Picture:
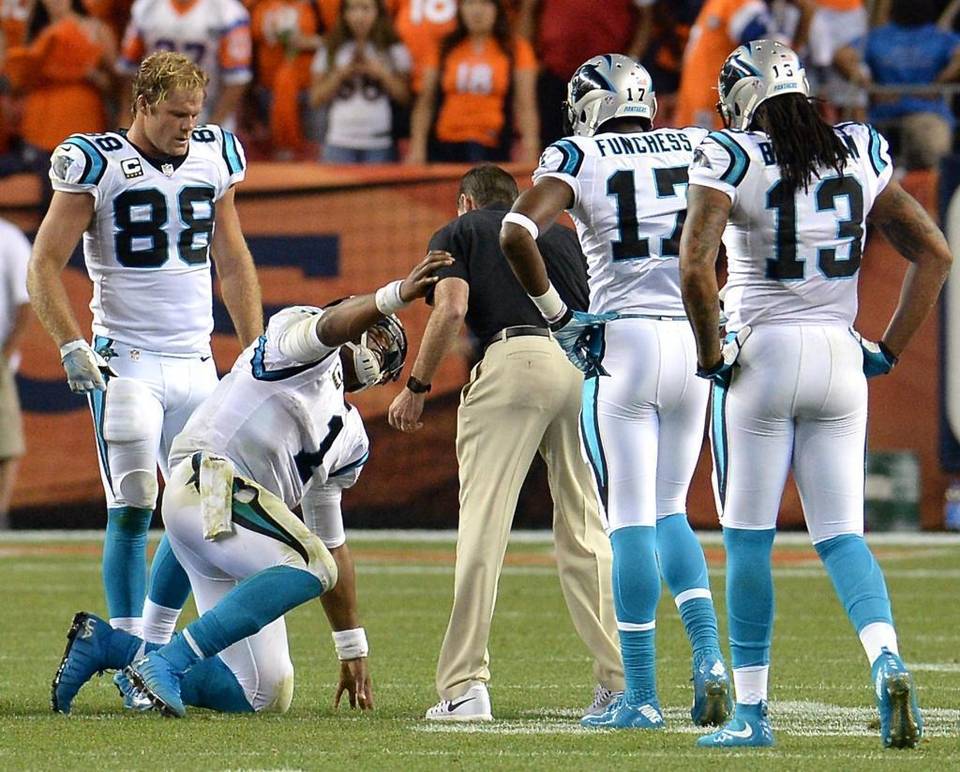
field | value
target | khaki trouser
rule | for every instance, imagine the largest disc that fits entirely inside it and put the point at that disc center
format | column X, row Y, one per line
column 524, row 396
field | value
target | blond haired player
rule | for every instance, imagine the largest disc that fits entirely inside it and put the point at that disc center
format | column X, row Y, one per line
column 153, row 206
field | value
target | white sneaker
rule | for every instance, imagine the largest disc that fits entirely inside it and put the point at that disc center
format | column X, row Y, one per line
column 603, row 698
column 472, row 705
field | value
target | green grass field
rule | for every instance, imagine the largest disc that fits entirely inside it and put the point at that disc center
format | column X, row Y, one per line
column 821, row 702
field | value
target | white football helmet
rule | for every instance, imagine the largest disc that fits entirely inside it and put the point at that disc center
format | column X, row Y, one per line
column 380, row 354
column 754, row 73
column 607, row 87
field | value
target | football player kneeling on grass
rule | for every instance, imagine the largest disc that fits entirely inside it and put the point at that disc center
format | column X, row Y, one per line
column 275, row 433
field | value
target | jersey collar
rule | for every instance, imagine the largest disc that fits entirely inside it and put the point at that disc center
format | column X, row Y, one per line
column 165, row 164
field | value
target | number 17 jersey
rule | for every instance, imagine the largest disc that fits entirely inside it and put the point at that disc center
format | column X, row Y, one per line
column 629, row 204
column 147, row 248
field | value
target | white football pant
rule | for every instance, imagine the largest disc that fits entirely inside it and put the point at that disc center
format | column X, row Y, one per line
column 798, row 401
column 642, row 425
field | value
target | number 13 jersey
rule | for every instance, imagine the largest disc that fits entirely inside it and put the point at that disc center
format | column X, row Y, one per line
column 629, row 203
column 792, row 256
column 147, row 248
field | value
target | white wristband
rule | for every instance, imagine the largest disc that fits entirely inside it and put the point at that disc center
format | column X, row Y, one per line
column 388, row 298
column 73, row 345
column 351, row 644
column 524, row 222
column 550, row 304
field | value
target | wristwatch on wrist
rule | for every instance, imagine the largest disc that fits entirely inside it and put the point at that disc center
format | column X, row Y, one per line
column 417, row 386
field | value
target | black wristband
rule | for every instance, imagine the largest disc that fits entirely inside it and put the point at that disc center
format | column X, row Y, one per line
column 417, row 386
column 709, row 372
column 558, row 323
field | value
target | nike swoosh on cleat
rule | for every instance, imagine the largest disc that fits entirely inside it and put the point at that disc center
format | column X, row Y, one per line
column 454, row 705
column 743, row 734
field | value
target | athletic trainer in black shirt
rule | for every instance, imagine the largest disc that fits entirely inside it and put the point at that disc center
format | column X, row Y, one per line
column 523, row 397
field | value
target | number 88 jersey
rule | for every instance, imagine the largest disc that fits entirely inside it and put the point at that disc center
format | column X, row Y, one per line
column 793, row 257
column 147, row 249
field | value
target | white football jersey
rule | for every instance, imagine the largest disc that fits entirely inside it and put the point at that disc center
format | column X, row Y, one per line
column 792, row 258
column 147, row 250
column 630, row 200
column 214, row 34
column 282, row 423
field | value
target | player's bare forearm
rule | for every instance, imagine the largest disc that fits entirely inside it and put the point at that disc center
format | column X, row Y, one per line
column 340, row 603
column 912, row 232
column 228, row 102
column 707, row 212
column 347, row 320
column 542, row 203
column 65, row 221
column 50, row 302
column 238, row 275
column 241, row 296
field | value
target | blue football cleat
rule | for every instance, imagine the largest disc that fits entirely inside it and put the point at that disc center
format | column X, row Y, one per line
column 628, row 716
column 749, row 728
column 91, row 643
column 712, row 698
column 156, row 679
column 901, row 724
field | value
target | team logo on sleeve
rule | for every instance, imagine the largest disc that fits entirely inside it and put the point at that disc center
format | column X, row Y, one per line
column 700, row 160
column 132, row 168
column 62, row 161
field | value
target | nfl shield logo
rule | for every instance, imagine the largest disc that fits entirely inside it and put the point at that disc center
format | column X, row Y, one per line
column 167, row 169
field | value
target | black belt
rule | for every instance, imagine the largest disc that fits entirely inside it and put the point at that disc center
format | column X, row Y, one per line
column 515, row 332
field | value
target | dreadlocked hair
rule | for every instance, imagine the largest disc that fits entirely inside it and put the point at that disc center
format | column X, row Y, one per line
column 803, row 142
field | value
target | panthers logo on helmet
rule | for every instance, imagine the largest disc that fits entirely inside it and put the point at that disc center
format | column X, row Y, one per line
column 607, row 87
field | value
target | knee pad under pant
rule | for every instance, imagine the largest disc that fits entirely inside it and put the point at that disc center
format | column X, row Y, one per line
column 282, row 694
column 131, row 424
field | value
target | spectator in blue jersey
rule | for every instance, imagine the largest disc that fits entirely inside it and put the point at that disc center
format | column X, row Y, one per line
column 909, row 51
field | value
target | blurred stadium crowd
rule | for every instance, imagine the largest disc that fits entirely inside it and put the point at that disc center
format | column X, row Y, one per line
column 378, row 81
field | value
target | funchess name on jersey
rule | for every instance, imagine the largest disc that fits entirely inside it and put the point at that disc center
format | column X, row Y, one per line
column 639, row 144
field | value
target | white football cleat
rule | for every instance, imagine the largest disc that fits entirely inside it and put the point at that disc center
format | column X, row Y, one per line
column 603, row 698
column 472, row 705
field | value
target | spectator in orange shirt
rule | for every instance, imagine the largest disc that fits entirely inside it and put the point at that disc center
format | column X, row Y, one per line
column 285, row 38
column 64, row 72
column 358, row 72
column 477, row 68
column 721, row 26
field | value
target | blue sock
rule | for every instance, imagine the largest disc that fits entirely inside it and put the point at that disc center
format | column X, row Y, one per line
column 211, row 684
column 636, row 590
column 857, row 578
column 684, row 569
column 169, row 583
column 749, row 594
column 245, row 610
column 125, row 560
